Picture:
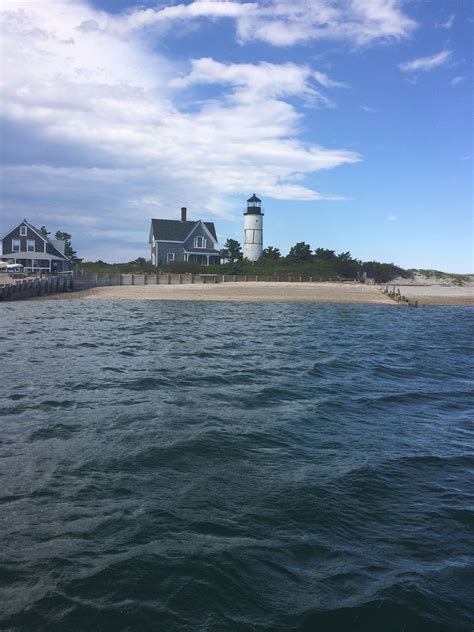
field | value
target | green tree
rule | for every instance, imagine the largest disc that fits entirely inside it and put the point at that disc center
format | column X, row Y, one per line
column 45, row 232
column 68, row 249
column 346, row 266
column 324, row 254
column 300, row 252
column 383, row 272
column 344, row 257
column 271, row 253
column 232, row 251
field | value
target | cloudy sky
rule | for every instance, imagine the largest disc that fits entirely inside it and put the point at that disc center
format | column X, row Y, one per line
column 351, row 119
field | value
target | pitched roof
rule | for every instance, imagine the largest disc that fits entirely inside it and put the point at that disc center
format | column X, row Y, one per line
column 58, row 245
column 58, row 248
column 174, row 230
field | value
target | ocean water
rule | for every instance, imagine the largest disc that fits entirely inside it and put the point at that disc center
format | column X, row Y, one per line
column 230, row 466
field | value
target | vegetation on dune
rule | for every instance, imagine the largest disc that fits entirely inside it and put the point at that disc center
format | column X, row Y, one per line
column 301, row 261
column 456, row 279
column 137, row 266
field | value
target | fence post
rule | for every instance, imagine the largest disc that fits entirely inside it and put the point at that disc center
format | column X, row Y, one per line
column 192, row 278
column 223, row 278
column 96, row 278
column 235, row 278
column 180, row 279
column 133, row 279
column 145, row 278
column 168, row 278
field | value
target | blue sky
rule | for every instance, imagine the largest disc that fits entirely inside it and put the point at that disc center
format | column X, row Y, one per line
column 351, row 119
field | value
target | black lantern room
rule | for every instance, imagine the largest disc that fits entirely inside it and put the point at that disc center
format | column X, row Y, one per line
column 254, row 206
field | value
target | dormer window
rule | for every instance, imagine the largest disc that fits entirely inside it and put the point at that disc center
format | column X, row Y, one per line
column 23, row 231
column 200, row 242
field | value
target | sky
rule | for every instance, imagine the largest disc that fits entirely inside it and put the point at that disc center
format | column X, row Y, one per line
column 350, row 119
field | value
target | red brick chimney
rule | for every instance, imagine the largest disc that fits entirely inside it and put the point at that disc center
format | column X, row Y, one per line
column 183, row 215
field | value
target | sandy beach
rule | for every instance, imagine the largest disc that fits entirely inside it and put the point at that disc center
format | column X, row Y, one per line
column 342, row 293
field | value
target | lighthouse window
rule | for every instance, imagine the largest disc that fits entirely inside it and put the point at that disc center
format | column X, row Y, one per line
column 200, row 242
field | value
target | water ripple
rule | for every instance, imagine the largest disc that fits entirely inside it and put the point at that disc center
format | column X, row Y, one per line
column 202, row 466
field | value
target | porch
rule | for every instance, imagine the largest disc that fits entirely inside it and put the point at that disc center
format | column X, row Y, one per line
column 203, row 259
column 49, row 265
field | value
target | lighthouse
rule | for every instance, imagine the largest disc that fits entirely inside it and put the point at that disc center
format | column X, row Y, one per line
column 253, row 229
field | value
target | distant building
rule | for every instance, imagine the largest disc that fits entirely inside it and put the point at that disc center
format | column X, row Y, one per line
column 253, row 229
column 26, row 245
column 174, row 240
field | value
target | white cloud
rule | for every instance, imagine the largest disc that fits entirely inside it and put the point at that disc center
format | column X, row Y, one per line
column 288, row 22
column 424, row 64
column 457, row 80
column 448, row 23
column 368, row 109
column 107, row 109
column 256, row 81
column 391, row 217
column 324, row 80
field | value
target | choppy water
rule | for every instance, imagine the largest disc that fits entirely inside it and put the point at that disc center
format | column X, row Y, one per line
column 210, row 466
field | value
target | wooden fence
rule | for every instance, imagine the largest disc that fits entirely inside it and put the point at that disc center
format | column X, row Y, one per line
column 87, row 281
column 28, row 288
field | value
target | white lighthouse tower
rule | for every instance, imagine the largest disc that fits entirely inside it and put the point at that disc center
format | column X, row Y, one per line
column 253, row 229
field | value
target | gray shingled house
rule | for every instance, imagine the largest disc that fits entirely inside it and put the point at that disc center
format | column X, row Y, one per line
column 26, row 245
column 174, row 240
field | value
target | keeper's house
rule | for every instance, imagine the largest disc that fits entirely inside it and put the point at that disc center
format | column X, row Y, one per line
column 26, row 245
column 174, row 240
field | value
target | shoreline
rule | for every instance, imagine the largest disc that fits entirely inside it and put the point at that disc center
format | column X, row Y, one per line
column 279, row 292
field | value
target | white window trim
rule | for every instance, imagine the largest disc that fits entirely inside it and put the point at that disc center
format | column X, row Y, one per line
column 28, row 242
column 23, row 231
column 19, row 245
column 203, row 241
column 170, row 257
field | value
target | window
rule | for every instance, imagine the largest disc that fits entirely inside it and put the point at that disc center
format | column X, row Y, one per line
column 170, row 256
column 15, row 245
column 22, row 231
column 30, row 245
column 200, row 242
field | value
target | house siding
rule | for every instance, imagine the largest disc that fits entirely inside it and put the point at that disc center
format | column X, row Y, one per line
column 199, row 232
column 167, row 247
column 15, row 234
